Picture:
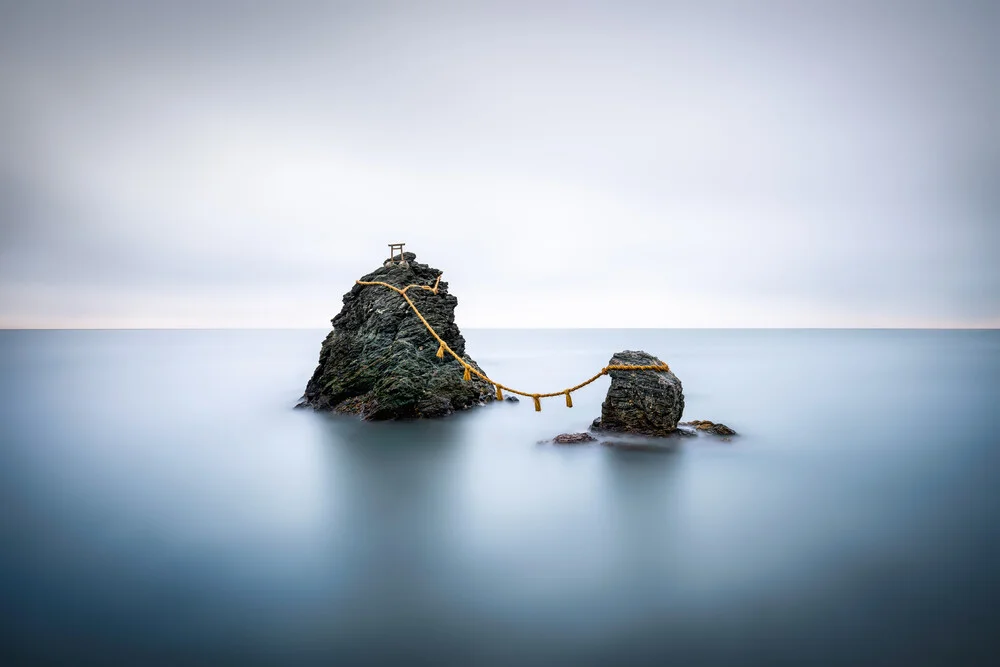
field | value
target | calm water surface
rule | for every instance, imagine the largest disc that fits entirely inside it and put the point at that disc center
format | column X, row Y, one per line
column 161, row 503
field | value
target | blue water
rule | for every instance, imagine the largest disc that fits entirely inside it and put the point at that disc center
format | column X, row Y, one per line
column 162, row 503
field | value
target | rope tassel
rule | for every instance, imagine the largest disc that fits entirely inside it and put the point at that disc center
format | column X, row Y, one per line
column 569, row 400
column 440, row 352
column 538, row 403
column 466, row 375
column 499, row 393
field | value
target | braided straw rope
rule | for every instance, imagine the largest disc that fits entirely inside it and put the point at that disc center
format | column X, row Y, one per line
column 470, row 370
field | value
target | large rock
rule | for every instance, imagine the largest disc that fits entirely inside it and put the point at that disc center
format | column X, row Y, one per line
column 380, row 361
column 642, row 402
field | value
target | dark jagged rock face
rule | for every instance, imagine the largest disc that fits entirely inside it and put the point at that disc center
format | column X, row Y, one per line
column 379, row 361
column 641, row 402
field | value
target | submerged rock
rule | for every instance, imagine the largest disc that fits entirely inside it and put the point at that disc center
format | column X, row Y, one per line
column 641, row 402
column 711, row 427
column 573, row 439
column 380, row 361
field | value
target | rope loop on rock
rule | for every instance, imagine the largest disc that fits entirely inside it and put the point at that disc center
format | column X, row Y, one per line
column 470, row 370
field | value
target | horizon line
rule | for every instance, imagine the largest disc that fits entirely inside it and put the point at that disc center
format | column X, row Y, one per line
column 679, row 328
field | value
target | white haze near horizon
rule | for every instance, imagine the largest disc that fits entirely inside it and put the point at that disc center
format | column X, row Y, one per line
column 708, row 164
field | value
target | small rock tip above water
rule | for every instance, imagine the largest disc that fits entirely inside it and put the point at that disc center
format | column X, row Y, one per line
column 711, row 427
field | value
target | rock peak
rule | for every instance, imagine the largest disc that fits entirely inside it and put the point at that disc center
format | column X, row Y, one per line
column 405, row 257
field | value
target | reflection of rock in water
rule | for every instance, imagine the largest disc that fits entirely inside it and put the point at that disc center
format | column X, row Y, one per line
column 380, row 361
column 642, row 402
column 662, row 443
column 630, row 446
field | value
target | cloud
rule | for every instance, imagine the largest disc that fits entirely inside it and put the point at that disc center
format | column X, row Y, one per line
column 239, row 164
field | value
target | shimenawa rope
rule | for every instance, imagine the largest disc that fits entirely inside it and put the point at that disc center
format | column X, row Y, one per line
column 470, row 370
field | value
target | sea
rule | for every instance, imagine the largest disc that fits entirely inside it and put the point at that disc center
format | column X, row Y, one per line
column 163, row 503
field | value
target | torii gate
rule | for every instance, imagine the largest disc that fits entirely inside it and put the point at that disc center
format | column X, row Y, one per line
column 393, row 247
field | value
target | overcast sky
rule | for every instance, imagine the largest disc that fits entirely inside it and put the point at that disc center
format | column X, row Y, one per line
column 202, row 164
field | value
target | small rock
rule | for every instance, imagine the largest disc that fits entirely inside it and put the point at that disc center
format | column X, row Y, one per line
column 642, row 402
column 573, row 438
column 722, row 429
column 512, row 399
column 711, row 427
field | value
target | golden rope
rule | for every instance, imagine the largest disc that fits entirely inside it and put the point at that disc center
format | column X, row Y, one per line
column 469, row 369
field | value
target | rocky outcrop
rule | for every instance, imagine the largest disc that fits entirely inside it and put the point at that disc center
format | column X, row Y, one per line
column 380, row 361
column 641, row 402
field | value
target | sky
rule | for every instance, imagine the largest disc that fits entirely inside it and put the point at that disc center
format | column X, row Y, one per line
column 587, row 164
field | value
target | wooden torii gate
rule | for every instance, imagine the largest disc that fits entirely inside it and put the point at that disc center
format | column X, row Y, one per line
column 393, row 247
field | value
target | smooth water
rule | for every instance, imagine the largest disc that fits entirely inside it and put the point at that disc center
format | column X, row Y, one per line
column 162, row 503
